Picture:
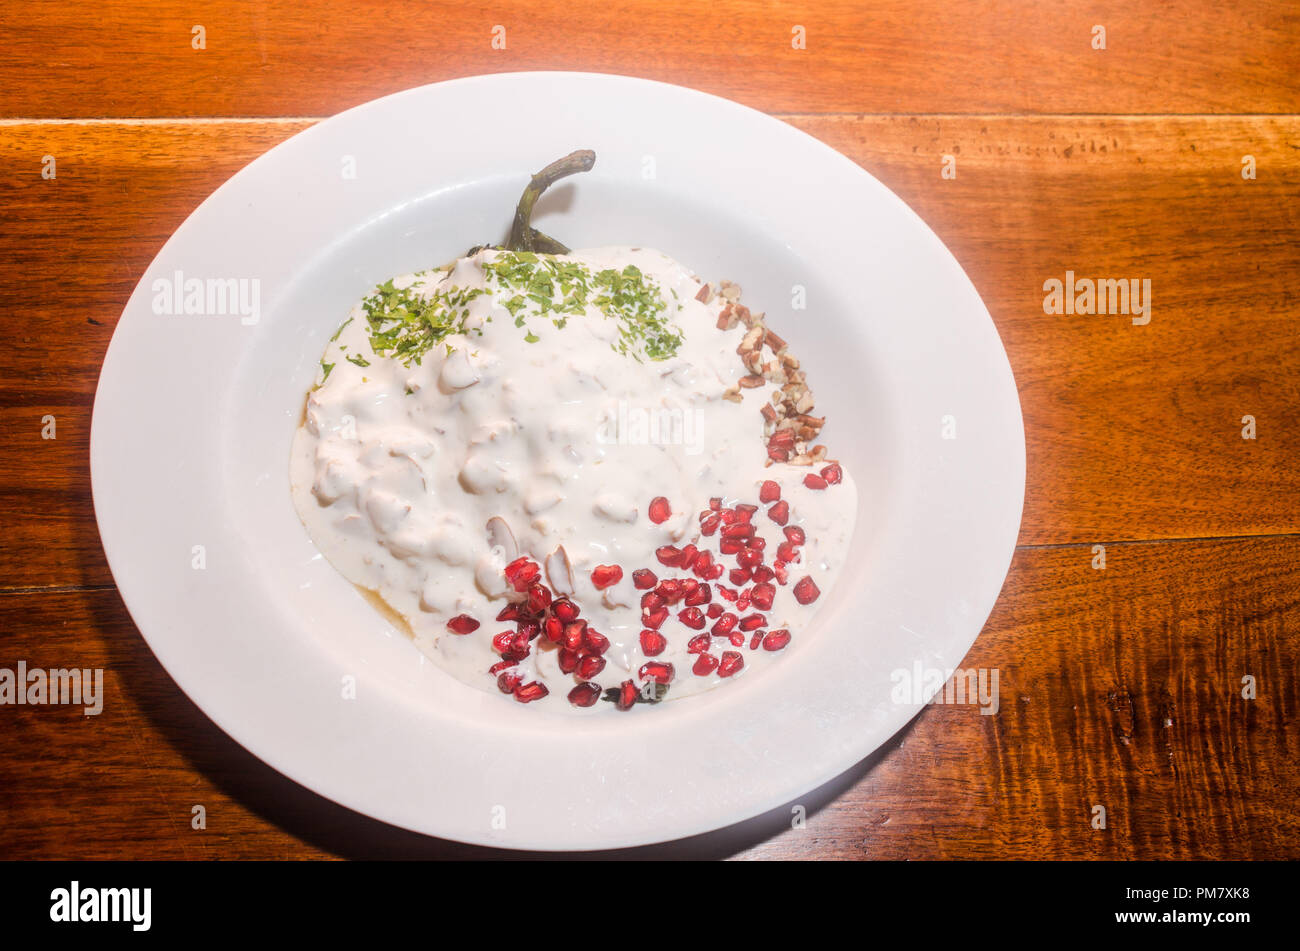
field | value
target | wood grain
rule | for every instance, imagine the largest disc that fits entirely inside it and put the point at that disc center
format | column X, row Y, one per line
column 1133, row 432
column 1118, row 687
column 896, row 56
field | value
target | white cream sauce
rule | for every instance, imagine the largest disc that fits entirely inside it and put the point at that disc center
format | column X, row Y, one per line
column 398, row 473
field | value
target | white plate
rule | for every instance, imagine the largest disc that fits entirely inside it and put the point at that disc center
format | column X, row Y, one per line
column 194, row 417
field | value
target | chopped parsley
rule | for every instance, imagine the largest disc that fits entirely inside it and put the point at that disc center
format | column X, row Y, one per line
column 326, row 367
column 358, row 359
column 405, row 324
column 560, row 289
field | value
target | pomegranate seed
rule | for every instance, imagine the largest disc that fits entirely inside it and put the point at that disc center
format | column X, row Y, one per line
column 806, row 590
column 554, row 629
column 755, row 640
column 529, row 628
column 584, row 695
column 670, row 590
column 738, row 530
column 688, row 556
column 653, row 643
column 782, row 438
column 568, row 659
column 710, row 525
column 595, row 641
column 590, row 666
column 669, row 555
column 462, row 624
column 508, row 681
column 703, row 564
column 833, row 474
column 728, row 516
column 775, row 640
column 745, row 512
column 787, row 552
column 503, row 641
column 762, row 573
column 602, row 576
column 714, row 573
column 654, row 619
column 514, row 656
column 739, row 576
column 702, row 594
column 651, row 601
column 749, row 558
column 779, row 513
column 500, row 666
column 732, row 661
column 510, row 612
column 727, row 593
column 730, row 546
column 814, row 481
column 626, row 695
column 698, row 644
column 762, row 596
column 644, row 578
column 520, row 643
column 782, row 573
column 751, row 622
column 714, row 611
column 539, row 598
column 777, row 454
column 530, row 692
column 737, row 639
column 794, row 535
column 715, row 504
column 769, row 491
column 692, row 618
column 758, row 543
column 573, row 634
column 564, row 609
column 659, row 673
column 521, row 573
column 516, row 568
column 660, row 510
column 705, row 664
column 725, row 625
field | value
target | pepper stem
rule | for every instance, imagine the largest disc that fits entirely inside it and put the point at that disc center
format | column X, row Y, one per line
column 523, row 236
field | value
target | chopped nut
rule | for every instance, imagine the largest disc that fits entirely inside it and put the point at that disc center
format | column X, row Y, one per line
column 705, row 293
column 786, row 417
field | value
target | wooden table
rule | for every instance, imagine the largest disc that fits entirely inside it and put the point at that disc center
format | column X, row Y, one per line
column 1120, row 686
